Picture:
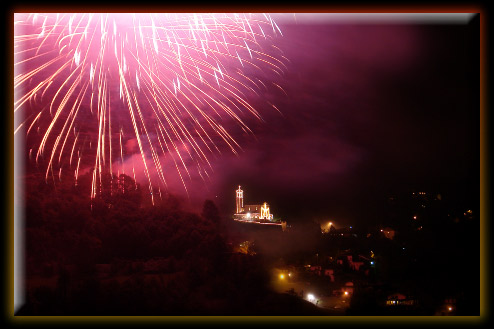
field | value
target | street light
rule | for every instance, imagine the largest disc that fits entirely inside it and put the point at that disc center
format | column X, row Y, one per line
column 329, row 226
column 282, row 276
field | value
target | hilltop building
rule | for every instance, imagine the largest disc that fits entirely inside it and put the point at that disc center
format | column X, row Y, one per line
column 251, row 212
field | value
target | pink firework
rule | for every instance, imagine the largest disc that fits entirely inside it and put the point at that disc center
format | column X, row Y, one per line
column 86, row 84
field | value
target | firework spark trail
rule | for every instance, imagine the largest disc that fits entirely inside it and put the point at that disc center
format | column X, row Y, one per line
column 181, row 79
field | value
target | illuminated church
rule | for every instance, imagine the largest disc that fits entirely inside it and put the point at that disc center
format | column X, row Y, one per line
column 252, row 212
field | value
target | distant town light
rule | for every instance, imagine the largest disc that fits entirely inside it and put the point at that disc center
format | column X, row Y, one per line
column 450, row 308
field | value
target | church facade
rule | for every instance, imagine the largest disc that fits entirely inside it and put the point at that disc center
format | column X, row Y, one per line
column 251, row 212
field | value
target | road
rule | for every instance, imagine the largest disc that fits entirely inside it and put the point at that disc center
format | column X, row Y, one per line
column 304, row 289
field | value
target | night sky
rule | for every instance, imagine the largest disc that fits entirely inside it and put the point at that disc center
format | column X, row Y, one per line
column 371, row 110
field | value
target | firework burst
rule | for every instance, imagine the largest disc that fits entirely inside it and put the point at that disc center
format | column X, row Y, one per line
column 86, row 84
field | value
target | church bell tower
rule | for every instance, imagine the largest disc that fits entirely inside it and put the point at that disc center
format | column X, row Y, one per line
column 240, row 200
